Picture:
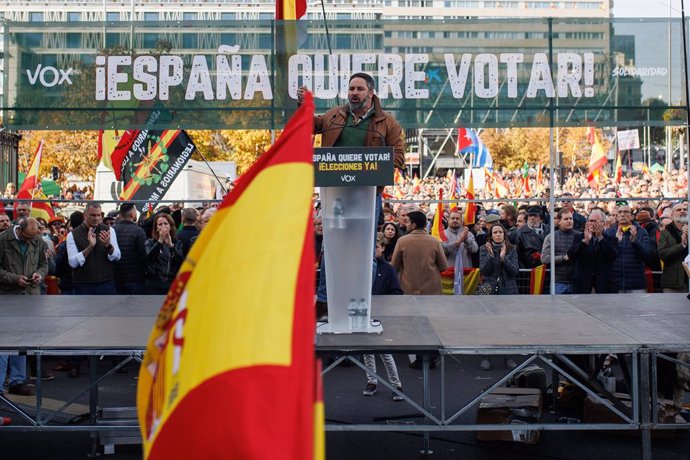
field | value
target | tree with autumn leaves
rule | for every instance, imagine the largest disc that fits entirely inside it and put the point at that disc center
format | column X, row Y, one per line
column 75, row 152
column 512, row 147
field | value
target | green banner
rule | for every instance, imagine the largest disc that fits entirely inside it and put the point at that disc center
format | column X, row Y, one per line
column 430, row 74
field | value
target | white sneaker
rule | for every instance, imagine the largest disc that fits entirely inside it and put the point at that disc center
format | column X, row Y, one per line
column 370, row 389
column 397, row 397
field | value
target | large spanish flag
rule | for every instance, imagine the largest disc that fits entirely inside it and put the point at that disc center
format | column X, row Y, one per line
column 31, row 188
column 229, row 371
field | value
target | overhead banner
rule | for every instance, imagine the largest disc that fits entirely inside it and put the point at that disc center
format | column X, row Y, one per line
column 431, row 74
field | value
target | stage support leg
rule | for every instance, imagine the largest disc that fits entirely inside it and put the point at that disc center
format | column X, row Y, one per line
column 426, row 360
column 93, row 404
column 39, row 389
column 645, row 407
column 555, row 381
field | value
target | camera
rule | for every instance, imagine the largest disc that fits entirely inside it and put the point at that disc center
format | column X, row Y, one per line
column 101, row 228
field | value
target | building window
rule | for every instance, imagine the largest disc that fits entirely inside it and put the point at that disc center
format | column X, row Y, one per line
column 189, row 16
column 150, row 16
column 73, row 40
column 112, row 16
column 36, row 16
column 73, row 16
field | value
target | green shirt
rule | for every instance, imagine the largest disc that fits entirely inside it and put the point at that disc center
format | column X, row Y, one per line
column 356, row 135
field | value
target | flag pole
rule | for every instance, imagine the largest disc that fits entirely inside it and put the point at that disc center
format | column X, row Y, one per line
column 328, row 42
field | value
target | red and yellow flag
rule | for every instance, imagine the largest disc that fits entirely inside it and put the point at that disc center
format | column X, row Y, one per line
column 107, row 142
column 225, row 343
column 437, row 229
column 619, row 169
column 31, row 188
column 597, row 159
column 416, row 185
column 470, row 207
column 500, row 187
column 536, row 280
column 397, row 177
column 290, row 9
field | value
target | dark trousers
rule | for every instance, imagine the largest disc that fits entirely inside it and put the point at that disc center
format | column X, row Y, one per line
column 104, row 288
column 130, row 288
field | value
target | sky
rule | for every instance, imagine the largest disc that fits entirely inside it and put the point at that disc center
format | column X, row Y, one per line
column 648, row 8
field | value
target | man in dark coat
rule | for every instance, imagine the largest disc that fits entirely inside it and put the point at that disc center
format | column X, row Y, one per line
column 634, row 251
column 189, row 229
column 529, row 239
column 594, row 255
column 130, row 269
column 673, row 248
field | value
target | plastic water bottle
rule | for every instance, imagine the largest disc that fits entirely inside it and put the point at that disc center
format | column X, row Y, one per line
column 352, row 312
column 338, row 215
column 363, row 313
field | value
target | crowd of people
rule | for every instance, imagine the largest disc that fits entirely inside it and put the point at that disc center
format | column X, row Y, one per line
column 597, row 249
column 598, row 246
column 91, row 253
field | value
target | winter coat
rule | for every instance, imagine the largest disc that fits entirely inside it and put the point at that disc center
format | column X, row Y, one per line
column 594, row 265
column 386, row 280
column 529, row 244
column 672, row 252
column 163, row 262
column 131, row 239
column 418, row 257
column 13, row 264
column 492, row 267
column 628, row 268
column 383, row 130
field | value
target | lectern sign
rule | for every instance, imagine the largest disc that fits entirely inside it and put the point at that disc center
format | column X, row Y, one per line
column 353, row 166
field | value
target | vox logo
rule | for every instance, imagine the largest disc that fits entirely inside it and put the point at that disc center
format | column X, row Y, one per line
column 49, row 76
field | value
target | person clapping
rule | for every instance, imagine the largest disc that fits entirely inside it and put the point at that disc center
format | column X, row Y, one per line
column 164, row 254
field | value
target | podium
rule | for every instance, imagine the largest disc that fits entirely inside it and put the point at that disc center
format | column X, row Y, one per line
column 348, row 177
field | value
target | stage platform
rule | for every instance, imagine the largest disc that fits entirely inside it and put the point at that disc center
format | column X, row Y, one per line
column 449, row 323
column 541, row 327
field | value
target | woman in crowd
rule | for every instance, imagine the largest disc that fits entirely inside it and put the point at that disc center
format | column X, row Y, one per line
column 391, row 234
column 498, row 261
column 164, row 255
column 498, row 264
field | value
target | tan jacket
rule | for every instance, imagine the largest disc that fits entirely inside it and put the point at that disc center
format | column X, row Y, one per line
column 419, row 259
column 12, row 264
column 383, row 126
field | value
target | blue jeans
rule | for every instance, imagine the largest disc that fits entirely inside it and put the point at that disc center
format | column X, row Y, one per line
column 17, row 369
column 564, row 288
